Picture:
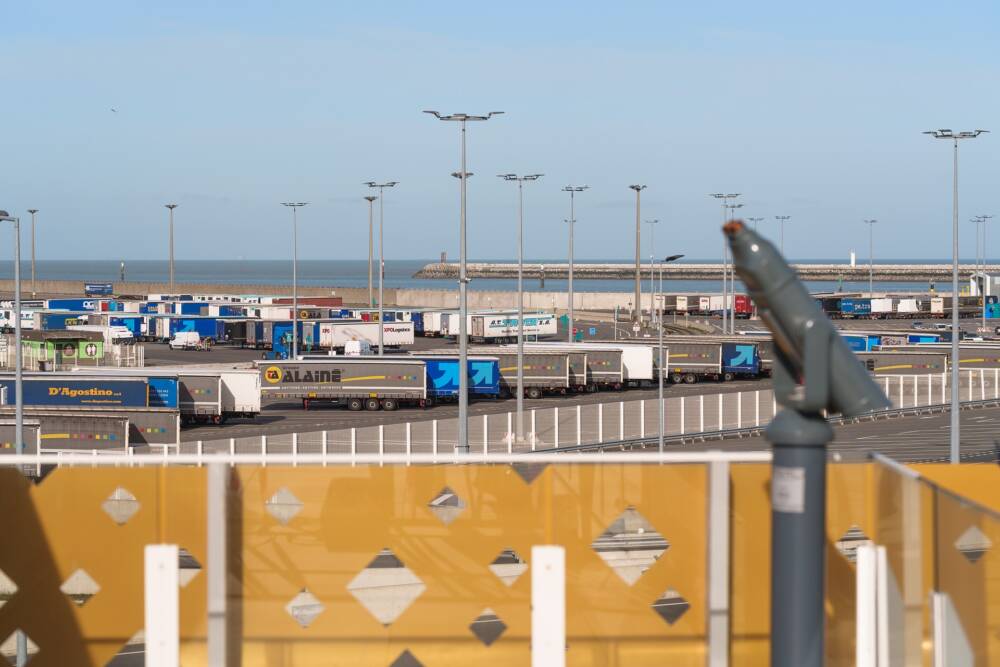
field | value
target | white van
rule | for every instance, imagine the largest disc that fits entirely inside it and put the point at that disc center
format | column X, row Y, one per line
column 186, row 340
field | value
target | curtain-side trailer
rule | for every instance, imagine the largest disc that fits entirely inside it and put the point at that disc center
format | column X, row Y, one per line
column 358, row 383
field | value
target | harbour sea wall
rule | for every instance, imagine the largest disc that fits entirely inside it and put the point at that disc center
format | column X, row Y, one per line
column 401, row 297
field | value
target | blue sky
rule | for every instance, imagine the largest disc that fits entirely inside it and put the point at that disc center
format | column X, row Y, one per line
column 812, row 110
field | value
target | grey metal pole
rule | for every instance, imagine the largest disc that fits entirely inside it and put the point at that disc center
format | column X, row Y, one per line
column 955, row 451
column 295, row 275
column 572, row 190
column 652, row 270
column 463, row 325
column 170, row 252
column 18, row 360
column 660, row 370
column 637, row 313
column 371, row 227
column 725, row 267
column 985, row 219
column 781, row 220
column 33, row 211
column 381, row 273
column 520, row 296
column 463, row 344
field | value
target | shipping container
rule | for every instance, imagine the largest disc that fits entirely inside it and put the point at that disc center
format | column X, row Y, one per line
column 743, row 306
column 92, row 305
column 881, row 307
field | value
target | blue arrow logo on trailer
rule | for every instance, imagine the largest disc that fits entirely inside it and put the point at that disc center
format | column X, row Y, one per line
column 744, row 356
column 448, row 376
column 187, row 325
column 482, row 373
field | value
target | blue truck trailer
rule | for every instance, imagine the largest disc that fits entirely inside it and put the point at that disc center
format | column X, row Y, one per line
column 442, row 376
column 48, row 320
column 61, row 391
column 134, row 323
column 91, row 304
column 855, row 307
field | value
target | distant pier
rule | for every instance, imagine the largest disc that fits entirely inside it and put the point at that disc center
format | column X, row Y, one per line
column 939, row 273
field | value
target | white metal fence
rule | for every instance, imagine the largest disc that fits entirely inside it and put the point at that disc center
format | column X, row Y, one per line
column 566, row 426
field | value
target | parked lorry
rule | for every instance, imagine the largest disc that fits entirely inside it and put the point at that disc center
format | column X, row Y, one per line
column 637, row 358
column 358, row 383
column 333, row 335
column 855, row 308
column 604, row 365
column 691, row 360
column 482, row 373
column 543, row 371
column 68, row 390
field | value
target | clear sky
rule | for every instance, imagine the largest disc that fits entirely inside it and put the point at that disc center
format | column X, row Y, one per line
column 812, row 110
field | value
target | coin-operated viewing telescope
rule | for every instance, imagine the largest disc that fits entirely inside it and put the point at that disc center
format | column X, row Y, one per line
column 816, row 374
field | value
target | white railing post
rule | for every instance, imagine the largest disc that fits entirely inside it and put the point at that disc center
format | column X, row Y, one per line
column 682, row 415
column 600, row 422
column 866, row 653
column 200, row 449
column 381, row 443
column 982, row 385
column 970, row 386
column 739, row 409
column 263, row 450
column 295, row 450
column 434, row 436
column 621, row 420
column 902, row 403
column 162, row 605
column 718, row 563
column 579, row 422
column 548, row 606
column 533, row 430
column 996, row 378
column 555, row 426
column 930, row 396
column 232, row 449
column 701, row 413
column 486, row 432
column 721, row 425
column 354, row 445
column 756, row 407
column 409, row 444
column 325, row 445
column 510, row 431
column 642, row 418
column 916, row 392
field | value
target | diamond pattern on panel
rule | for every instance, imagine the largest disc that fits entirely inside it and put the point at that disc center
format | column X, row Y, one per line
column 630, row 545
column 386, row 587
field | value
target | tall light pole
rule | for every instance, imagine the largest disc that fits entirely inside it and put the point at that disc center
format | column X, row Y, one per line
column 33, row 211
column 371, row 227
column 871, row 253
column 520, row 295
column 463, row 300
column 170, row 251
column 381, row 258
column 954, row 137
column 660, row 368
column 755, row 221
column 652, row 271
column 725, row 198
column 295, row 275
column 781, row 221
column 730, row 303
column 981, row 258
column 572, row 190
column 637, row 313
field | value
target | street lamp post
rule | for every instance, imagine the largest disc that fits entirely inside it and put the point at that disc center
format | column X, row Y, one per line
column 381, row 258
column 33, row 211
column 637, row 313
column 725, row 198
column 652, row 271
column 755, row 221
column 981, row 259
column 170, row 250
column 520, row 295
column 371, row 226
column 660, row 366
column 295, row 275
column 730, row 303
column 955, row 423
column 781, row 221
column 572, row 190
column 871, row 253
column 463, row 301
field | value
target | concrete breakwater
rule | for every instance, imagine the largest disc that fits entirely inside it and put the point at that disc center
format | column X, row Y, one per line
column 396, row 297
column 827, row 272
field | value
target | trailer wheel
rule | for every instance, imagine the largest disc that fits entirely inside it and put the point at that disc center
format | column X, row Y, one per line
column 428, row 402
column 727, row 377
column 217, row 420
column 372, row 404
column 533, row 392
column 389, row 404
column 355, row 404
column 690, row 378
column 676, row 378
